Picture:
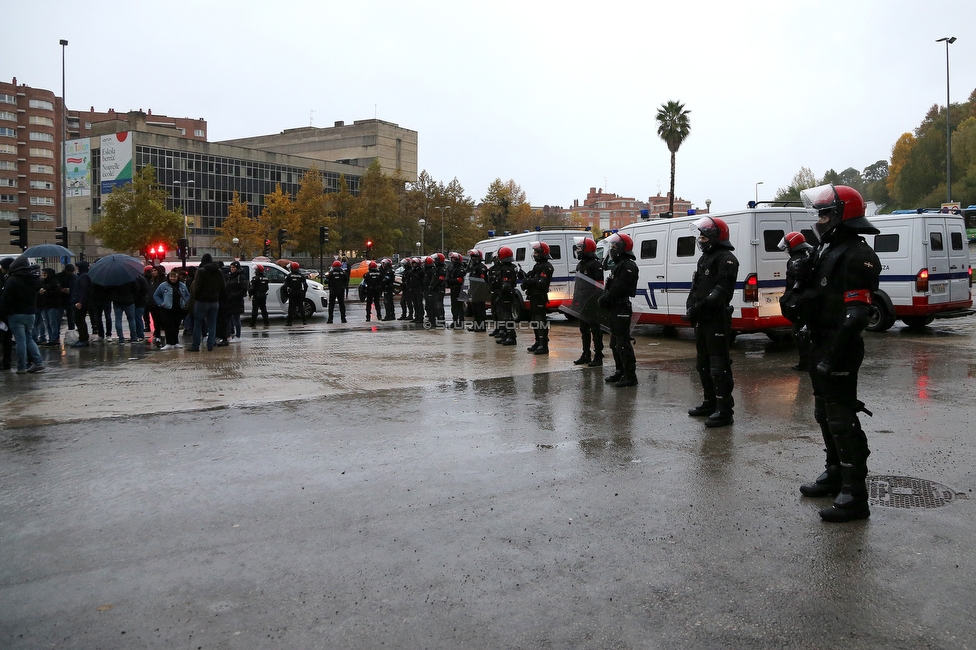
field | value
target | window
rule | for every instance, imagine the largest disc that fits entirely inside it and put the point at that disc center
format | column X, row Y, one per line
column 369, row 140
column 8, row 148
column 40, row 103
column 8, row 198
column 886, row 243
column 40, row 119
column 41, row 216
column 41, row 185
column 648, row 249
column 41, row 200
column 8, row 165
column 8, row 182
column 935, row 241
column 198, row 133
column 41, row 153
column 7, row 131
column 955, row 240
column 7, row 99
column 88, row 126
column 9, row 215
column 771, row 240
column 686, row 246
column 182, row 131
column 41, row 137
column 520, row 255
column 42, row 169
column 7, row 115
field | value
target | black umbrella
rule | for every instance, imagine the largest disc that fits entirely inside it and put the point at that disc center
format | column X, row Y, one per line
column 114, row 270
column 48, row 250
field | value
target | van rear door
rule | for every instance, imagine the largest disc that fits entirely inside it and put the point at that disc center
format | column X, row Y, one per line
column 938, row 260
column 650, row 249
column 770, row 261
column 682, row 260
column 958, row 261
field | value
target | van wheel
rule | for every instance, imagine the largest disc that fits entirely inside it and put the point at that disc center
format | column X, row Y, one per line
column 780, row 336
column 917, row 322
column 308, row 309
column 879, row 318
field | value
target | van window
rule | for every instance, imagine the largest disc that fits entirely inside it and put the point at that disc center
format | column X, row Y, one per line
column 935, row 241
column 809, row 236
column 686, row 246
column 886, row 243
column 648, row 249
column 520, row 255
column 955, row 240
column 489, row 256
column 274, row 274
column 771, row 240
column 555, row 252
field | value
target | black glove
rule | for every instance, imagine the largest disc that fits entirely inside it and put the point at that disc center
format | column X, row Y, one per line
column 823, row 368
column 694, row 312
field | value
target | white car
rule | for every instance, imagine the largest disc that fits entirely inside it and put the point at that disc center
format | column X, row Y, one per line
column 316, row 299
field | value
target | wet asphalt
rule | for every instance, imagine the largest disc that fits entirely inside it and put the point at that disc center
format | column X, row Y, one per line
column 374, row 484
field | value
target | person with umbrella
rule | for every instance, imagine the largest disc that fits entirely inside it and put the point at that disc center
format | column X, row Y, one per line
column 18, row 308
column 107, row 273
column 208, row 284
column 81, row 303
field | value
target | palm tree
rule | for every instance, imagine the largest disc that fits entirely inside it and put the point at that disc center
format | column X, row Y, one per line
column 673, row 127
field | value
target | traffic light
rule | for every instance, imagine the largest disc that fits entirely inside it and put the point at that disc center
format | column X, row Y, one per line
column 18, row 234
column 267, row 248
column 181, row 249
column 156, row 252
column 282, row 235
column 61, row 236
column 369, row 247
column 323, row 234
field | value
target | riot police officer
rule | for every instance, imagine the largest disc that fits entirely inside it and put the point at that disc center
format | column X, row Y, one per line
column 835, row 304
column 799, row 263
column 406, row 300
column 373, row 281
column 258, row 292
column 506, row 281
column 387, row 286
column 495, row 289
column 536, row 287
column 295, row 289
column 455, row 282
column 477, row 271
column 416, row 287
column 338, row 280
column 591, row 267
column 436, row 288
column 620, row 287
column 709, row 311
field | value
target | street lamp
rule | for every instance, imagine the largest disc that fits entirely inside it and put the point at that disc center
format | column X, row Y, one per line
column 948, row 41
column 418, row 248
column 708, row 205
column 757, row 190
column 183, row 203
column 442, row 208
column 235, row 241
column 423, row 226
column 64, row 138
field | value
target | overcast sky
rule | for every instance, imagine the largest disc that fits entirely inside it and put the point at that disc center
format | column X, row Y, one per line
column 559, row 96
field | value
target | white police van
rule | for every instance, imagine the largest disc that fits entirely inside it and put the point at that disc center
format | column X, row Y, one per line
column 926, row 269
column 667, row 256
column 316, row 298
column 560, row 256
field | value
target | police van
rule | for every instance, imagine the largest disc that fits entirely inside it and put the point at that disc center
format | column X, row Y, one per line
column 560, row 256
column 667, row 256
column 316, row 298
column 926, row 268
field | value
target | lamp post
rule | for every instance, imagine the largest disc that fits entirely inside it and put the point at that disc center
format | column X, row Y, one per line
column 423, row 226
column 708, row 205
column 183, row 203
column 64, row 139
column 442, row 208
column 949, row 40
column 235, row 241
column 418, row 248
column 757, row 190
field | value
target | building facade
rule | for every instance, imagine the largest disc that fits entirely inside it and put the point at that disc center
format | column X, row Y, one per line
column 603, row 211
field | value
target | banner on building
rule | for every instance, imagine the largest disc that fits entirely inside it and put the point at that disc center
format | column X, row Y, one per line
column 77, row 167
column 115, row 161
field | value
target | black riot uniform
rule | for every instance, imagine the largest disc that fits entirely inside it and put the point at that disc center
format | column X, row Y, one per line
column 455, row 282
column 406, row 300
column 477, row 270
column 373, row 281
column 387, row 286
column 591, row 267
column 709, row 311
column 620, row 287
column 415, row 285
column 258, row 292
column 799, row 265
column 436, row 289
column 495, row 289
column 536, row 288
column 835, row 304
column 295, row 289
column 338, row 280
column 506, row 279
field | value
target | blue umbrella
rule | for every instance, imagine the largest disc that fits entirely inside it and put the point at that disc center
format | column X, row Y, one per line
column 114, row 270
column 48, row 250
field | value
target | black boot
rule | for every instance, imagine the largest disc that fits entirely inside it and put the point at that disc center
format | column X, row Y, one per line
column 852, row 502
column 629, row 378
column 707, row 408
column 535, row 346
column 597, row 361
column 828, row 484
column 722, row 417
column 543, row 349
column 615, row 377
column 584, row 358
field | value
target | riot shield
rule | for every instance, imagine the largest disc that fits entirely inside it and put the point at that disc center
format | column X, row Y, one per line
column 586, row 296
column 475, row 290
